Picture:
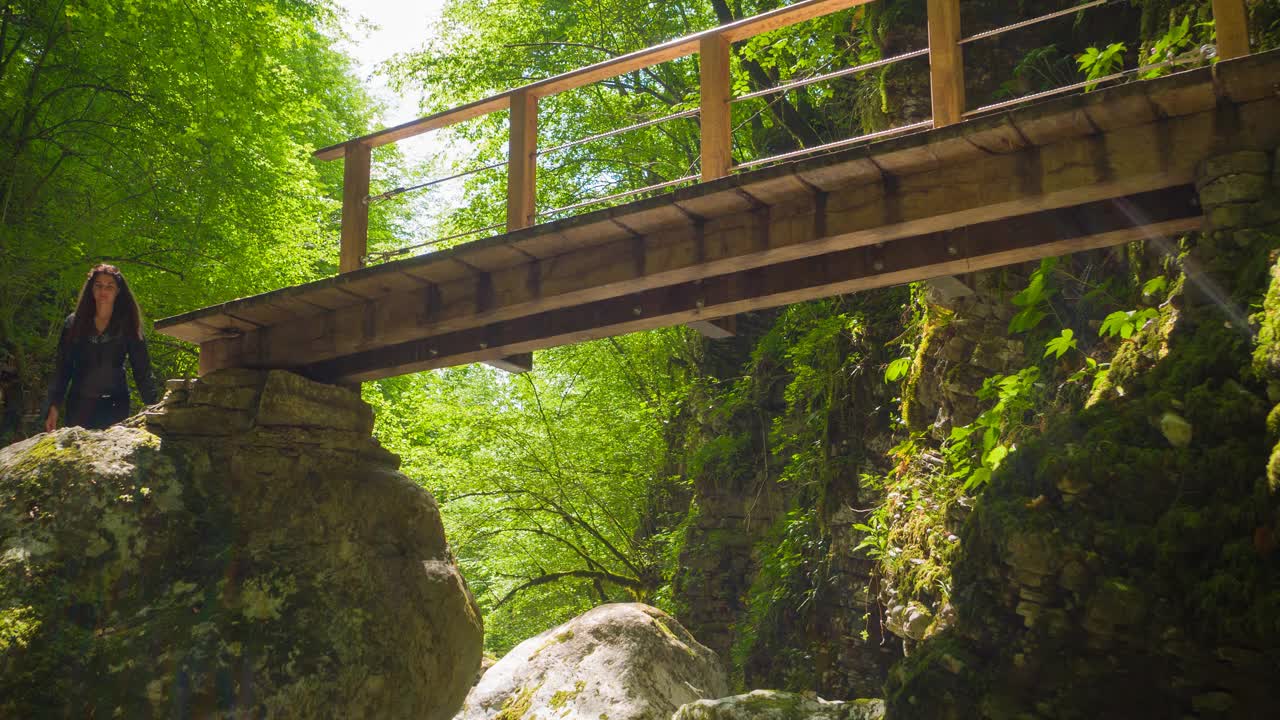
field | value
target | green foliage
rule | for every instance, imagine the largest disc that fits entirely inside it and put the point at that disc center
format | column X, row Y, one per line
column 171, row 139
column 543, row 478
column 1034, row 300
column 1060, row 345
column 1097, row 64
column 897, row 369
column 1124, row 323
column 1168, row 46
column 791, row 570
column 481, row 48
column 976, row 450
column 1155, row 286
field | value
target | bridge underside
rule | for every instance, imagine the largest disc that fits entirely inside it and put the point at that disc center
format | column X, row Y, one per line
column 1067, row 175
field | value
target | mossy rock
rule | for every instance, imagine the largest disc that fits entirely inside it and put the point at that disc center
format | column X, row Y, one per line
column 223, row 576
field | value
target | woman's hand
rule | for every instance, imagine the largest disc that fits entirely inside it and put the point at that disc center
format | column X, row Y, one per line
column 51, row 422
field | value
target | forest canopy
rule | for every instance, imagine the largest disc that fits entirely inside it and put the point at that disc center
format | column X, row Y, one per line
column 175, row 139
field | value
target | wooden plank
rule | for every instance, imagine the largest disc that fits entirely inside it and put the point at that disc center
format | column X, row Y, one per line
column 1120, row 107
column 717, row 329
column 494, row 257
column 1249, row 78
column 442, row 270
column 783, row 17
column 355, row 207
column 1001, row 136
column 652, row 219
column 966, row 250
column 1087, row 169
column 1247, row 83
column 439, row 120
column 735, row 31
column 522, row 161
column 545, row 244
column 1231, row 21
column 717, row 132
column 514, row 364
column 1181, row 94
column 946, row 62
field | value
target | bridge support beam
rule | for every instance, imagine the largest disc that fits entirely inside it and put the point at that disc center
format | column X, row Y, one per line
column 515, row 364
column 718, row 329
column 1160, row 213
column 522, row 161
column 1231, row 22
column 946, row 62
column 355, row 207
column 717, row 131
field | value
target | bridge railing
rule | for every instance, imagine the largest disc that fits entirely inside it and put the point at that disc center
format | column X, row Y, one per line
column 946, row 74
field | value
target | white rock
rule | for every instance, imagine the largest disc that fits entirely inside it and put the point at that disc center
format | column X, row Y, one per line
column 614, row 662
column 775, row 705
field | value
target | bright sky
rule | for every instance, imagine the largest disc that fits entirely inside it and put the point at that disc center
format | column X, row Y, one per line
column 399, row 26
column 380, row 29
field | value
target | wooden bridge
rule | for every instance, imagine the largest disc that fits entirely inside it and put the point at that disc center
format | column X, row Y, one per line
column 965, row 191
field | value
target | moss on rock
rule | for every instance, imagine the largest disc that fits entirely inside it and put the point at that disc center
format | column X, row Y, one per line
column 243, row 569
column 1123, row 564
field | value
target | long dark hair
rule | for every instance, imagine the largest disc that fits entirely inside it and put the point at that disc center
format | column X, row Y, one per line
column 126, row 317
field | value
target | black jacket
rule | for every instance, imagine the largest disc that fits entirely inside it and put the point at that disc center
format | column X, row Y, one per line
column 93, row 366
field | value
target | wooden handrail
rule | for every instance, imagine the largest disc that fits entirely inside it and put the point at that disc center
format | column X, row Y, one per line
column 1230, row 20
column 946, row 82
column 604, row 70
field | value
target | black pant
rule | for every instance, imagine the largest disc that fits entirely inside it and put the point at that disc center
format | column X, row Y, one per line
column 96, row 413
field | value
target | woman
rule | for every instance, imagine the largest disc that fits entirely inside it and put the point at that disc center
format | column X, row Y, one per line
column 105, row 327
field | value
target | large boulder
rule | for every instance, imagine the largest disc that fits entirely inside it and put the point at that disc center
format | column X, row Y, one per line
column 245, row 549
column 615, row 662
column 776, row 705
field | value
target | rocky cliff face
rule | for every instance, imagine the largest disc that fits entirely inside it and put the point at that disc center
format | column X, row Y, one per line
column 243, row 549
column 1124, row 563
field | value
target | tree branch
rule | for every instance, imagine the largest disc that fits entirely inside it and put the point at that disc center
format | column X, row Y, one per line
column 632, row 584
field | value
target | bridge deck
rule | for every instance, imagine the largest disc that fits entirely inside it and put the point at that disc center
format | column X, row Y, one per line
column 1065, row 175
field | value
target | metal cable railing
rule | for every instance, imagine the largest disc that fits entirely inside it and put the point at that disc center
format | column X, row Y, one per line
column 402, row 190
column 1034, row 21
column 826, row 147
column 619, row 196
column 880, row 135
column 832, row 75
column 383, row 255
column 1198, row 54
column 619, row 131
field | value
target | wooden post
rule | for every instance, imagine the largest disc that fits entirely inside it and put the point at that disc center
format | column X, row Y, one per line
column 355, row 207
column 522, row 160
column 946, row 62
column 717, row 133
column 1231, row 21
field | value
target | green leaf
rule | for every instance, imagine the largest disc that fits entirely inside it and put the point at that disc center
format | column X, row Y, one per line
column 897, row 369
column 1060, row 345
column 1114, row 324
column 995, row 456
column 979, row 478
column 1157, row 284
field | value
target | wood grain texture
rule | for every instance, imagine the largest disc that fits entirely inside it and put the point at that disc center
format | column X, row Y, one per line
column 940, row 179
column 946, row 62
column 1231, row 21
column 355, row 207
column 1033, row 179
column 522, row 161
column 1004, row 242
column 717, row 134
